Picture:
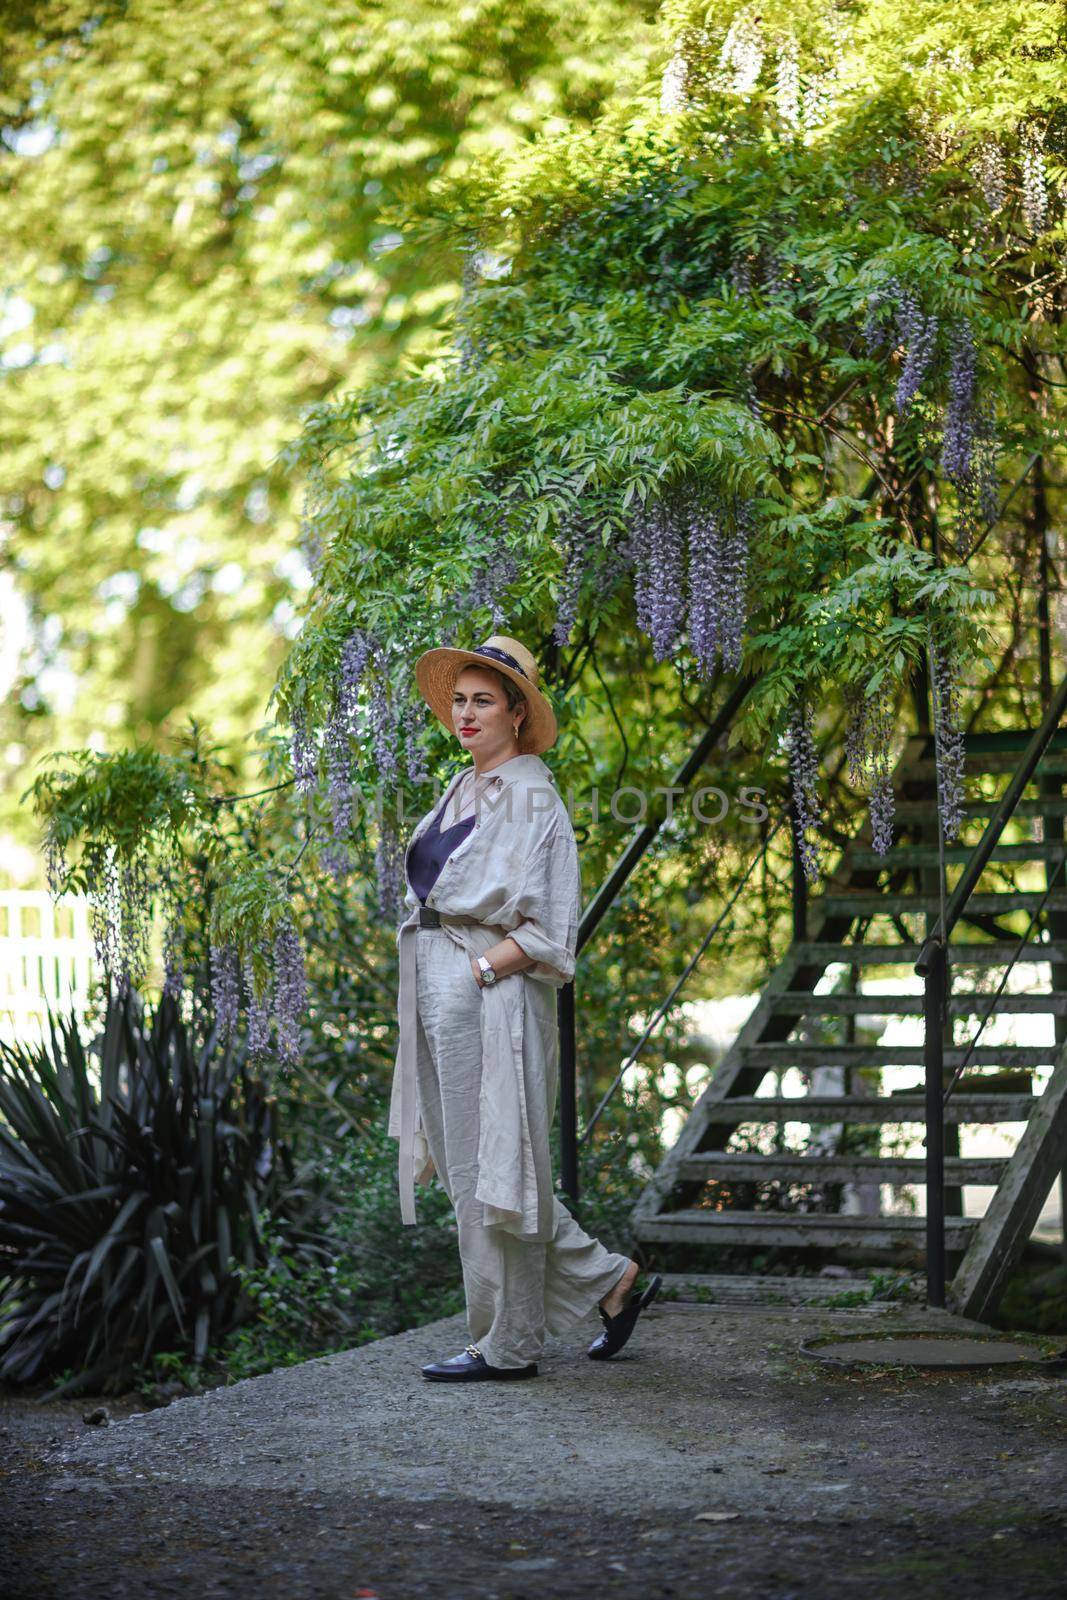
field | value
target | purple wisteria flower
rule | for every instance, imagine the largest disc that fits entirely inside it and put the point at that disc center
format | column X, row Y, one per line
column 1034, row 186
column 655, row 549
column 355, row 653
column 577, row 540
column 290, row 990
column 804, row 780
column 259, row 1010
column 491, row 580
column 173, row 956
column 383, row 718
column 991, row 175
column 339, row 793
column 945, row 677
column 225, row 987
column 717, row 567
column 958, row 447
column 705, row 590
column 389, row 866
column 733, row 585
column 868, row 738
column 303, row 751
column 414, row 748
column 918, row 334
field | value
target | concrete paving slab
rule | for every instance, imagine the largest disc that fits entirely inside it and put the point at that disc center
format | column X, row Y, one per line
column 707, row 1410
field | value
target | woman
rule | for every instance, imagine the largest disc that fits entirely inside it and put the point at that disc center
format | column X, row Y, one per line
column 493, row 898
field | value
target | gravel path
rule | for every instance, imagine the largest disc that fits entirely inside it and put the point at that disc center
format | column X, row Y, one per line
column 711, row 1459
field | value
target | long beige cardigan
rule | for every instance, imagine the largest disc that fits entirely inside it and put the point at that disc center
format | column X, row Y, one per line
column 516, row 873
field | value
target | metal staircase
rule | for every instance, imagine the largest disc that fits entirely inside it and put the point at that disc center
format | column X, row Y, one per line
column 765, row 1172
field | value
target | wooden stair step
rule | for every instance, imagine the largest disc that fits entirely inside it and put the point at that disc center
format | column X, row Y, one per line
column 869, row 903
column 1007, row 738
column 796, row 1229
column 767, row 1289
column 748, row 1166
column 992, row 761
column 926, row 855
column 917, row 810
column 813, row 953
column 869, row 1110
column 778, row 1054
column 803, row 1003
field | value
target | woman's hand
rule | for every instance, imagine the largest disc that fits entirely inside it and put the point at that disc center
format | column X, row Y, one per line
column 505, row 958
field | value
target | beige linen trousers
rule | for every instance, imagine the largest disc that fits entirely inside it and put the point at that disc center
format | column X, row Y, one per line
column 476, row 1074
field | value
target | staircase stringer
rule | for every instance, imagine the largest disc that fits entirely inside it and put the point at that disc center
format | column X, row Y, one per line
column 1000, row 1237
column 793, row 971
column 720, row 1088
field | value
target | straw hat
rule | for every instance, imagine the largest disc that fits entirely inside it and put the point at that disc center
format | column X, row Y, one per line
column 436, row 672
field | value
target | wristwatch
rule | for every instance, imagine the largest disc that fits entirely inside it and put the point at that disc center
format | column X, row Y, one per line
column 488, row 974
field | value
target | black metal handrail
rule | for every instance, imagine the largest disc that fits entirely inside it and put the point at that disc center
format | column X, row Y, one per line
column 932, row 967
column 1024, row 942
column 664, row 1007
column 599, row 905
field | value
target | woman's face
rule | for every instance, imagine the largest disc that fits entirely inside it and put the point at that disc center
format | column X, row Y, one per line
column 481, row 718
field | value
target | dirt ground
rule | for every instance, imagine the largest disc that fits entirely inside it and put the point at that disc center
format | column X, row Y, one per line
column 711, row 1459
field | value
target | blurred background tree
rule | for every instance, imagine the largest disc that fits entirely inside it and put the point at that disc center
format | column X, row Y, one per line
column 194, row 255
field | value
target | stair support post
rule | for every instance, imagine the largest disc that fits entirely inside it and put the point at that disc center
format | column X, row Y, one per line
column 934, row 1063
column 568, row 1093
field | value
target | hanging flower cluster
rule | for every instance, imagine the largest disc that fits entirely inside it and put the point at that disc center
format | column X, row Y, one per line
column 741, row 56
column 290, row 990
column 991, row 175
column 946, row 675
column 918, row 335
column 270, row 981
column 258, row 987
column 1034, row 186
column 672, row 94
column 804, row 781
column 689, row 556
column 656, row 553
column 958, row 447
column 787, row 85
column 225, row 987
column 868, row 740
column 122, row 887
column 389, row 867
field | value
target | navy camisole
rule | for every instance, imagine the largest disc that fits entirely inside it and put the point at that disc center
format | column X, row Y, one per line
column 431, row 850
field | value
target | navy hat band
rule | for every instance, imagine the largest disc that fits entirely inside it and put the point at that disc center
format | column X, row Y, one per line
column 499, row 655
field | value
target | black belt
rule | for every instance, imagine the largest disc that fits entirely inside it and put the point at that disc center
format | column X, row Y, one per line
column 428, row 917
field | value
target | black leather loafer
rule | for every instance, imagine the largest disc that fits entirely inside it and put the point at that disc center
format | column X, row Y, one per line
column 619, row 1328
column 472, row 1367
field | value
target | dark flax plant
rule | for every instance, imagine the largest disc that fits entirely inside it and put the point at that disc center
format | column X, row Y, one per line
column 137, row 1178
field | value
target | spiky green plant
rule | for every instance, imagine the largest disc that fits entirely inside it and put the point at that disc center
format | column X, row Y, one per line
column 135, row 1177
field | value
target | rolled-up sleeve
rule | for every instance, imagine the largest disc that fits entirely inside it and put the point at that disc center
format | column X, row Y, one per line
column 547, row 906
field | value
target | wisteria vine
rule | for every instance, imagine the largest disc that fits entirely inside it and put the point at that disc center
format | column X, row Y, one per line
column 804, row 780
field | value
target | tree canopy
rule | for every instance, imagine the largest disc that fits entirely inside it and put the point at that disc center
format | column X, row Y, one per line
column 195, row 255
column 762, row 365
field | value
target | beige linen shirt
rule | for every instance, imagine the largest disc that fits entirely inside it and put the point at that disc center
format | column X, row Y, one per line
column 515, row 874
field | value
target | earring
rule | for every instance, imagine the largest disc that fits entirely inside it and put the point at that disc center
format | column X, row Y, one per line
column 515, row 730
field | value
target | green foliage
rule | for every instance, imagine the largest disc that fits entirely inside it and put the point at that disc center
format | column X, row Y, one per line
column 1035, row 1300
column 196, row 257
column 696, row 300
column 132, row 1187
column 374, row 1277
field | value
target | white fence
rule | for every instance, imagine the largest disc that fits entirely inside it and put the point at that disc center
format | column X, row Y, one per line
column 47, row 960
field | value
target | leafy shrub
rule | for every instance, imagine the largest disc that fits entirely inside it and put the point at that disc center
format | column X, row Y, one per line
column 131, row 1191
column 375, row 1277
